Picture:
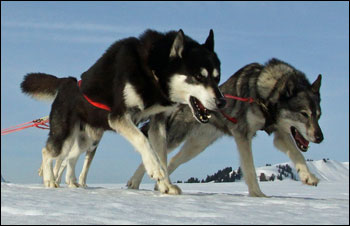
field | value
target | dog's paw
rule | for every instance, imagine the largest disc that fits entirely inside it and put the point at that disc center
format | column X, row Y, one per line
column 51, row 184
column 308, row 178
column 133, row 184
column 40, row 171
column 73, row 185
column 82, row 185
column 257, row 194
column 167, row 188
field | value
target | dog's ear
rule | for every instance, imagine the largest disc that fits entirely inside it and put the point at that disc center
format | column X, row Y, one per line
column 209, row 43
column 289, row 88
column 178, row 45
column 315, row 87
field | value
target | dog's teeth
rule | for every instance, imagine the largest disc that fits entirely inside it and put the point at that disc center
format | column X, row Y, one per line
column 201, row 117
column 209, row 116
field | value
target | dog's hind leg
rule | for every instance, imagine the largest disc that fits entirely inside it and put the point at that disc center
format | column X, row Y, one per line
column 89, row 156
column 244, row 146
column 47, row 171
column 193, row 146
column 60, row 165
column 72, row 159
column 284, row 143
column 89, row 140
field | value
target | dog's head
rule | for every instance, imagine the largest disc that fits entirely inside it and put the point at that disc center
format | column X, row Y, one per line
column 300, row 114
column 195, row 76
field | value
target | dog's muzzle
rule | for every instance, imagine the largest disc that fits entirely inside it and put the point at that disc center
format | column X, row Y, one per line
column 220, row 102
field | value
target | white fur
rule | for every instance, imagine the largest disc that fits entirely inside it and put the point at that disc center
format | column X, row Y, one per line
column 125, row 127
column 204, row 72
column 43, row 96
column 132, row 98
column 180, row 91
column 215, row 73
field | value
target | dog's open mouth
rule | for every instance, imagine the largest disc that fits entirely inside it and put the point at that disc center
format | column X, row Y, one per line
column 199, row 111
column 300, row 141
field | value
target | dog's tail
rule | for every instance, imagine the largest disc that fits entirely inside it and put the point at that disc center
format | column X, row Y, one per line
column 41, row 86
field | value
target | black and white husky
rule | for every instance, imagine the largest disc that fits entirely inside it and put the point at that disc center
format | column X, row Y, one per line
column 135, row 79
column 286, row 104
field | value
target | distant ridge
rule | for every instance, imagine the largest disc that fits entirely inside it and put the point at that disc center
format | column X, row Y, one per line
column 326, row 170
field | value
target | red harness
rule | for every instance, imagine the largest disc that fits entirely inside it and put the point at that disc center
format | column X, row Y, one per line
column 94, row 103
column 231, row 119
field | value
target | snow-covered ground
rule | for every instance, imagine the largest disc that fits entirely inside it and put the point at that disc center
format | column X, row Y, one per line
column 290, row 202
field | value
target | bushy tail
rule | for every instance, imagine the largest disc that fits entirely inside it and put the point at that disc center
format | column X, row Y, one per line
column 40, row 86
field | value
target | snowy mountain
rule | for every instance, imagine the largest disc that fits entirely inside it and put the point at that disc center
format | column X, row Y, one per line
column 2, row 179
column 325, row 170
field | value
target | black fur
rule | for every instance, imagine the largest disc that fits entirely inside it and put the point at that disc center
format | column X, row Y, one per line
column 143, row 62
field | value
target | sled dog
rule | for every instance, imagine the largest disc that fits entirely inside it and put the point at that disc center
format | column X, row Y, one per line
column 286, row 105
column 134, row 79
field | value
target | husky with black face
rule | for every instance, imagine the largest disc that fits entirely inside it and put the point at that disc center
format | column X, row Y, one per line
column 136, row 78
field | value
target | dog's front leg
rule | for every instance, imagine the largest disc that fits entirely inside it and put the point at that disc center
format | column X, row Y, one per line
column 125, row 127
column 157, row 138
column 284, row 143
column 244, row 146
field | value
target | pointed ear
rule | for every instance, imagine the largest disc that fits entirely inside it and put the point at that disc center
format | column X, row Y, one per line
column 209, row 43
column 315, row 87
column 289, row 89
column 178, row 45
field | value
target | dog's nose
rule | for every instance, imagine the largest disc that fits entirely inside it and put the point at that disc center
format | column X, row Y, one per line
column 220, row 102
column 318, row 137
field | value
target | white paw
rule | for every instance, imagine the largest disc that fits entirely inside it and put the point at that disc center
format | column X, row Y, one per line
column 133, row 184
column 73, row 185
column 82, row 185
column 51, row 184
column 257, row 193
column 40, row 171
column 167, row 188
column 308, row 178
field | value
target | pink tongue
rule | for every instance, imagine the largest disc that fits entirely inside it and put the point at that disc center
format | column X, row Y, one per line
column 200, row 105
column 301, row 140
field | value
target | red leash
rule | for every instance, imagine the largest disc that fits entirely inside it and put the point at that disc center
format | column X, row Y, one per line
column 41, row 123
column 233, row 119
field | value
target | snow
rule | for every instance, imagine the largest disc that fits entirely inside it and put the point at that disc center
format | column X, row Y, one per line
column 290, row 202
column 330, row 170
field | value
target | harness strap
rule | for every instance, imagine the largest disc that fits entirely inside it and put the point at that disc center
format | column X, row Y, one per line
column 233, row 119
column 268, row 111
column 94, row 103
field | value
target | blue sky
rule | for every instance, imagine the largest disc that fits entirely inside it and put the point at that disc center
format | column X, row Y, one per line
column 66, row 38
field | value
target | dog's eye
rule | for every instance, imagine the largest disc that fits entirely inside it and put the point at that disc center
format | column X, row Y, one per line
column 303, row 113
column 217, row 79
column 199, row 77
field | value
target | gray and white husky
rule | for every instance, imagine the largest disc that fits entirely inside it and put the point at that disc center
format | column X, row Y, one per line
column 286, row 104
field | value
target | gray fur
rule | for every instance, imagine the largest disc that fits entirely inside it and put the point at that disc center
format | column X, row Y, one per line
column 284, row 91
